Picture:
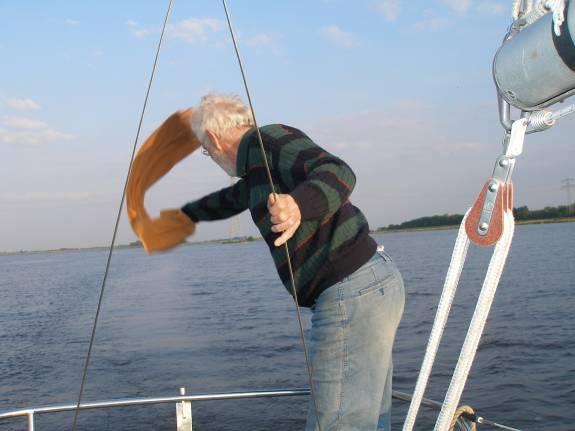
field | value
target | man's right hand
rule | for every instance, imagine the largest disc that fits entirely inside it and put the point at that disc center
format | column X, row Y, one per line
column 285, row 216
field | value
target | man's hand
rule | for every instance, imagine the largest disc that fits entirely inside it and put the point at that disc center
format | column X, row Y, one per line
column 285, row 216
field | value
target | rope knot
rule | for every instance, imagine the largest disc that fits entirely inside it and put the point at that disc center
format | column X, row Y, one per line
column 462, row 422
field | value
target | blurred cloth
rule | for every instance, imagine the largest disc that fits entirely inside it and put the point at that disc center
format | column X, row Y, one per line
column 164, row 148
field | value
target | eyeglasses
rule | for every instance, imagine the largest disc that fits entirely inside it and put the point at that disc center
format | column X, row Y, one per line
column 205, row 152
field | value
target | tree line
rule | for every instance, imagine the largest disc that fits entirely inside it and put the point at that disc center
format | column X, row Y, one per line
column 521, row 214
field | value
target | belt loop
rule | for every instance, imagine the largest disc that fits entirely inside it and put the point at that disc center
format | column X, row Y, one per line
column 386, row 257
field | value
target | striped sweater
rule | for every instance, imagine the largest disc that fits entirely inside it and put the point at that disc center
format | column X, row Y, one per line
column 333, row 239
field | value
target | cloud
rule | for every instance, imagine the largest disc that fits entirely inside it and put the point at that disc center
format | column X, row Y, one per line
column 72, row 22
column 23, row 123
column 388, row 8
column 485, row 7
column 409, row 131
column 196, row 30
column 27, row 131
column 200, row 31
column 413, row 159
column 136, row 30
column 35, row 197
column 459, row 6
column 369, row 128
column 25, row 199
column 339, row 37
column 404, row 155
column 262, row 39
column 22, row 104
column 491, row 8
column 265, row 42
column 431, row 21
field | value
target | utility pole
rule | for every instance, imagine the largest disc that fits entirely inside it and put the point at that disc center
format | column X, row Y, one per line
column 568, row 184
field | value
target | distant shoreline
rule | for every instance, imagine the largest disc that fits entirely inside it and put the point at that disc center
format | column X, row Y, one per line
column 455, row 226
column 252, row 239
column 127, row 246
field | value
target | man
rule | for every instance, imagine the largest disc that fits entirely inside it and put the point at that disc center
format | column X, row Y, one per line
column 355, row 293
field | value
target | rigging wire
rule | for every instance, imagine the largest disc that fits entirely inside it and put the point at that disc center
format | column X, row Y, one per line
column 99, row 307
column 271, row 183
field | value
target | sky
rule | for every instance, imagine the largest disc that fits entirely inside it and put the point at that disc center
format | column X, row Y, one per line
column 401, row 90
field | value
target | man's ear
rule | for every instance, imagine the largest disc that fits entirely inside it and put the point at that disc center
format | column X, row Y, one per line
column 215, row 139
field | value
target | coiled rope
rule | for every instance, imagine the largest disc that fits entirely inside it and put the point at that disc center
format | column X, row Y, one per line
column 460, row 421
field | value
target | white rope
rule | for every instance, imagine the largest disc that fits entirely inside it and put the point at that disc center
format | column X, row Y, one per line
column 477, row 324
column 558, row 8
column 540, row 10
column 450, row 286
column 521, row 8
column 542, row 7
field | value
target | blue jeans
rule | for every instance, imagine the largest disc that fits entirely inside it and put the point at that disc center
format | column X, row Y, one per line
column 353, row 328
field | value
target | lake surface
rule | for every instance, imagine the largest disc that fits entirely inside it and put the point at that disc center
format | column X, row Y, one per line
column 215, row 318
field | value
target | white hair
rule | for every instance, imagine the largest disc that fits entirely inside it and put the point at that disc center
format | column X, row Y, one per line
column 219, row 114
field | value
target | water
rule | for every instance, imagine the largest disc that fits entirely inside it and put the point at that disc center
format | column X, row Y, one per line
column 215, row 318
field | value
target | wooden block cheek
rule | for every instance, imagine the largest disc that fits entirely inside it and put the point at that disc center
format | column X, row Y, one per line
column 496, row 224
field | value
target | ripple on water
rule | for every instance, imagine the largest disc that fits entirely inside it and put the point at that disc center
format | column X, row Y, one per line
column 167, row 322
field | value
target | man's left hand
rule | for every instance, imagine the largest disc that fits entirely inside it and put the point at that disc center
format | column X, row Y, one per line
column 285, row 216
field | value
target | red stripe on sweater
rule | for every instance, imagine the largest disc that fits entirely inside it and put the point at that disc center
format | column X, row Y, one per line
column 304, row 241
column 343, row 183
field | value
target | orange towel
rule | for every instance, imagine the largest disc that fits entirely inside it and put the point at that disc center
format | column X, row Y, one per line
column 166, row 146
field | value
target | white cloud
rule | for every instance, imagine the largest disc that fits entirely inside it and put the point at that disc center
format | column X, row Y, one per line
column 409, row 129
column 339, row 37
column 396, row 147
column 196, row 30
column 260, row 40
column 22, row 104
column 491, row 8
column 27, row 131
column 35, row 197
column 23, row 123
column 388, row 8
column 368, row 128
column 72, row 22
column 431, row 21
column 404, row 155
column 485, row 7
column 136, row 30
column 459, row 6
column 200, row 30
